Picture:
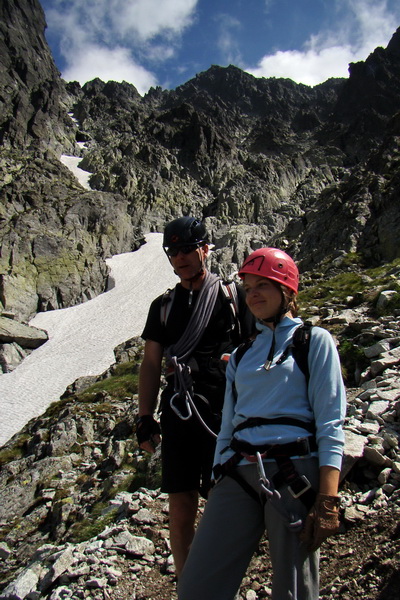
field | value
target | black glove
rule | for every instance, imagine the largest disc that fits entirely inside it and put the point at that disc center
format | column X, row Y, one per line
column 322, row 521
column 146, row 427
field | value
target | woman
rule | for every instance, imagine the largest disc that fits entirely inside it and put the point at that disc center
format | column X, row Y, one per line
column 279, row 451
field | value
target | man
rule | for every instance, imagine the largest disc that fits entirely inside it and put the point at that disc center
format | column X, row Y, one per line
column 195, row 327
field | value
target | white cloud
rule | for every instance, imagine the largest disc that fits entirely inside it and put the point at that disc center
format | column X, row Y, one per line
column 149, row 18
column 108, row 64
column 109, row 38
column 309, row 67
column 363, row 25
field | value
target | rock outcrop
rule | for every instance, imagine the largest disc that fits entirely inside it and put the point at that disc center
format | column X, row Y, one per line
column 266, row 161
column 54, row 235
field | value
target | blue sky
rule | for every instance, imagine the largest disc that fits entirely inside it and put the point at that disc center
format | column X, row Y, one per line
column 166, row 42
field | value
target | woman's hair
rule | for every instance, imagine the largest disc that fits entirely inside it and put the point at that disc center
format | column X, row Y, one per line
column 291, row 300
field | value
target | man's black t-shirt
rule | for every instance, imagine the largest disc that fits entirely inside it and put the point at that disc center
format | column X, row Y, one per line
column 221, row 335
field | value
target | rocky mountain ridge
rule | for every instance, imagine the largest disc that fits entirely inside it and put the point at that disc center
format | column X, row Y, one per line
column 263, row 160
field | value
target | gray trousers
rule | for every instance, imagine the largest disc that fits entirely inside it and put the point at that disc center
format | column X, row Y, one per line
column 230, row 530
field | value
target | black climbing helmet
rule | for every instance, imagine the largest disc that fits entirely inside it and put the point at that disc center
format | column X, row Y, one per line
column 185, row 231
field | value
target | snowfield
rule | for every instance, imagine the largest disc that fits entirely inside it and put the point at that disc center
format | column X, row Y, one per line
column 82, row 338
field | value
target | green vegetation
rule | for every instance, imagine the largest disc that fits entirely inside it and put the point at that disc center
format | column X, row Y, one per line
column 338, row 287
column 14, row 452
column 123, row 382
column 366, row 283
column 352, row 357
column 90, row 527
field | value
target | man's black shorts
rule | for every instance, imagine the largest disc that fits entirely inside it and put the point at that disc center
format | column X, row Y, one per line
column 187, row 450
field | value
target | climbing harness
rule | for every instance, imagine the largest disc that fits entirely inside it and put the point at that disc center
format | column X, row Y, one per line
column 298, row 485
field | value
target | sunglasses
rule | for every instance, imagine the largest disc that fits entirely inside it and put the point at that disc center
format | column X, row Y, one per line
column 174, row 251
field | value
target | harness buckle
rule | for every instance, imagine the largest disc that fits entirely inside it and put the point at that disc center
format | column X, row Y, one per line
column 299, row 486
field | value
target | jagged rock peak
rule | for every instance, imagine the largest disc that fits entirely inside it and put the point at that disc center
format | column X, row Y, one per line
column 32, row 95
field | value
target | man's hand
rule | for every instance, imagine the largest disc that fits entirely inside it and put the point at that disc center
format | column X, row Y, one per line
column 148, row 433
column 322, row 521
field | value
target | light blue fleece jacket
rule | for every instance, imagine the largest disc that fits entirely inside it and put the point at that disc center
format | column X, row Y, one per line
column 282, row 392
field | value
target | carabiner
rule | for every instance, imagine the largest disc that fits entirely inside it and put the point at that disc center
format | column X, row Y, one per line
column 264, row 482
column 177, row 411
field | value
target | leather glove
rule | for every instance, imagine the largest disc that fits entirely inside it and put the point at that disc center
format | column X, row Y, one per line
column 146, row 428
column 322, row 521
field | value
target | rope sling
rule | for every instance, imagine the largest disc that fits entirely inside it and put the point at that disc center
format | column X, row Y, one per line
column 177, row 354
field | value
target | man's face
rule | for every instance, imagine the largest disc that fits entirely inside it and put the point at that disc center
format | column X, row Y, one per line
column 187, row 266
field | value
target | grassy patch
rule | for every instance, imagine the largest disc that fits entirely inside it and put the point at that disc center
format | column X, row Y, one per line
column 366, row 283
column 9, row 454
column 338, row 287
column 93, row 525
column 123, row 382
column 14, row 452
column 352, row 357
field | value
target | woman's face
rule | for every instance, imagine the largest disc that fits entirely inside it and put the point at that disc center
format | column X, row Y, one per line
column 263, row 296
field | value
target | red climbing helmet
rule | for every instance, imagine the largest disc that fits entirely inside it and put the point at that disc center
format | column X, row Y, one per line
column 273, row 264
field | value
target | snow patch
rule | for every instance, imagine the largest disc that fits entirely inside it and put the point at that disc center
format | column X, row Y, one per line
column 82, row 338
column 72, row 162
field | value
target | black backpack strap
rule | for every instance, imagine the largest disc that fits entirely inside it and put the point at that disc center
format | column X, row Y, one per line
column 241, row 349
column 301, row 347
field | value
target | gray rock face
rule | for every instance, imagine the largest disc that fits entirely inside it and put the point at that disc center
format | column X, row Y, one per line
column 33, row 97
column 24, row 335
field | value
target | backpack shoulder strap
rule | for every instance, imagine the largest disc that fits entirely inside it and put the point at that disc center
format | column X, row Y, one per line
column 166, row 304
column 241, row 349
column 230, row 291
column 301, row 347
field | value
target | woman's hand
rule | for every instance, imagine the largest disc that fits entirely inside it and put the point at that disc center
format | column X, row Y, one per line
column 322, row 521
